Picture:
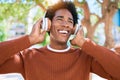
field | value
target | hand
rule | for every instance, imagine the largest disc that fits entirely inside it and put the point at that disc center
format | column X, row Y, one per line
column 79, row 38
column 37, row 35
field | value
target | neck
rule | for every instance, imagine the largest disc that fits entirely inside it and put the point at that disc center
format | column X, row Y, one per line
column 58, row 46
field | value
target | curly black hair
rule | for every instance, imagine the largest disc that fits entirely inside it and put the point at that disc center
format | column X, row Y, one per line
column 62, row 5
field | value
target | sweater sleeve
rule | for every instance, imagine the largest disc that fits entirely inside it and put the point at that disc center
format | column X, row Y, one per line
column 109, row 60
column 99, row 70
column 14, row 64
column 11, row 47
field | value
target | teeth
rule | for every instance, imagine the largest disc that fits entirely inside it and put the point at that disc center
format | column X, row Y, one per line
column 63, row 32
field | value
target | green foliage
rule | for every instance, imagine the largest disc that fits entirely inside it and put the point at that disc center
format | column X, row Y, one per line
column 2, row 33
column 43, row 2
column 119, row 5
column 38, row 15
column 38, row 1
column 46, row 41
column 18, row 11
column 11, row 13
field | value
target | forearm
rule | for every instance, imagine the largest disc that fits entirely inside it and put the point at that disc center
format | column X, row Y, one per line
column 9, row 48
column 14, row 64
column 107, row 58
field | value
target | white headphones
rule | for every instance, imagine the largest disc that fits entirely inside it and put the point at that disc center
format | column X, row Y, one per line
column 46, row 24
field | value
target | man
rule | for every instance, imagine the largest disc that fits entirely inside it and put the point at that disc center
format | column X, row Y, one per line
column 58, row 61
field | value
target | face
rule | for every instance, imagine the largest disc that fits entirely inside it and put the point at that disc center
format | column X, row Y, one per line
column 62, row 26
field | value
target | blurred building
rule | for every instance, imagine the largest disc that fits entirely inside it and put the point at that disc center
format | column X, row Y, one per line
column 16, row 30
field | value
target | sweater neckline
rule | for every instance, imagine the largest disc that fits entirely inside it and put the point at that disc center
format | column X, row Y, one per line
column 56, row 50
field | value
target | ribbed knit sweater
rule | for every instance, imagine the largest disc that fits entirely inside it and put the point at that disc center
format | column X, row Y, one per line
column 43, row 64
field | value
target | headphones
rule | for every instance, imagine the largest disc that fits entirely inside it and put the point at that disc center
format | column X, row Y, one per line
column 77, row 28
column 46, row 24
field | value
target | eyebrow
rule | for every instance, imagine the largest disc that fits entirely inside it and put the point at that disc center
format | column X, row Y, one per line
column 62, row 17
column 59, row 17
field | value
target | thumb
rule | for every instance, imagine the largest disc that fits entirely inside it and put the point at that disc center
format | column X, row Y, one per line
column 43, row 33
column 72, row 42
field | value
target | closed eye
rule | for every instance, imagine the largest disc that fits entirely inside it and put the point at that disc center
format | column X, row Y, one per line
column 70, row 21
column 59, row 19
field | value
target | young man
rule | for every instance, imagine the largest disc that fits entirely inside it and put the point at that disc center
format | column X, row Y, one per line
column 58, row 61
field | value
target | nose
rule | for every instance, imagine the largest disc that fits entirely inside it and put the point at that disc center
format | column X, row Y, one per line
column 65, row 24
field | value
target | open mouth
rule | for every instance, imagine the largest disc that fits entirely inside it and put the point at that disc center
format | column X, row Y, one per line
column 63, row 31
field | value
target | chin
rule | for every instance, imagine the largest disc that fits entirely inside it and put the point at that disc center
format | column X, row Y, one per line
column 62, row 41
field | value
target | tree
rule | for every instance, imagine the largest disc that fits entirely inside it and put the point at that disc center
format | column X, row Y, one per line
column 108, row 9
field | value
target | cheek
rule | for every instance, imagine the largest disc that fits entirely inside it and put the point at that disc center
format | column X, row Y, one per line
column 54, row 26
column 53, row 29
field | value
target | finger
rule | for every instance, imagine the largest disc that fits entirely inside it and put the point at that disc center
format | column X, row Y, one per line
column 80, row 32
column 44, row 32
column 72, row 42
column 37, row 25
column 39, row 21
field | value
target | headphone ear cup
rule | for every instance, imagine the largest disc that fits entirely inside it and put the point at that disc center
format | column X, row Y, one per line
column 46, row 24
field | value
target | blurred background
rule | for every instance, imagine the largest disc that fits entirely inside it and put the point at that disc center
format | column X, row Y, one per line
column 99, row 18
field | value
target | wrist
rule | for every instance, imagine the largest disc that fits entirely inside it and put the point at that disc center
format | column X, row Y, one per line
column 31, row 39
column 81, row 43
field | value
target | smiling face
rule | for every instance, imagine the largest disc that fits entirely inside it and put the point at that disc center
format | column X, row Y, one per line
column 61, row 27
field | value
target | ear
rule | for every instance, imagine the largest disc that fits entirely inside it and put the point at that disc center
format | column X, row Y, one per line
column 49, row 24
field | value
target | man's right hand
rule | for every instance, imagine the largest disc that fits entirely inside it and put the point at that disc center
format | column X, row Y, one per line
column 37, row 35
column 79, row 39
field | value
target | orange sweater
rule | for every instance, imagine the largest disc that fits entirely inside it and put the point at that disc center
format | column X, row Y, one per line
column 43, row 64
